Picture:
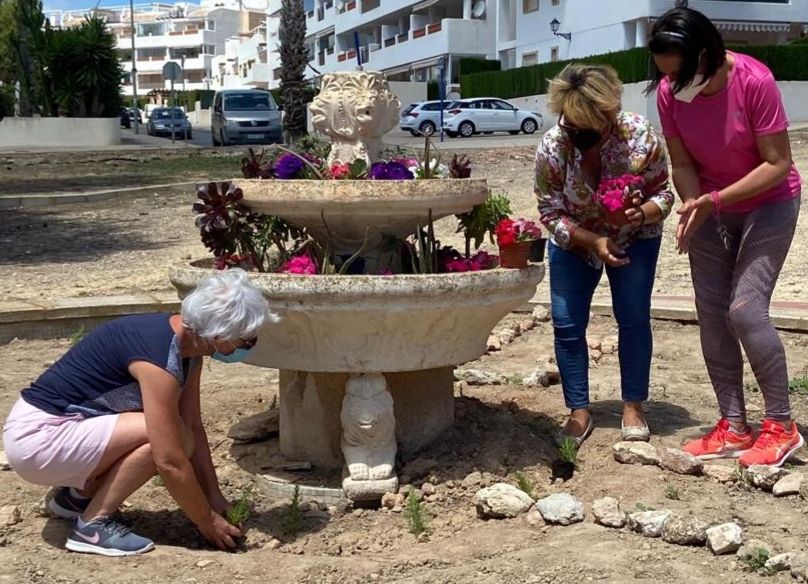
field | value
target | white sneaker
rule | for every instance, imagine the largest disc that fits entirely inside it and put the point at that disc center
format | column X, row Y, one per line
column 635, row 433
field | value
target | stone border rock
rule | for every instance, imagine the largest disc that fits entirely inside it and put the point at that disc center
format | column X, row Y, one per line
column 50, row 199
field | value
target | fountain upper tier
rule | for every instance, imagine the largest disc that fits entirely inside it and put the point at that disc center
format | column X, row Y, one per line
column 387, row 207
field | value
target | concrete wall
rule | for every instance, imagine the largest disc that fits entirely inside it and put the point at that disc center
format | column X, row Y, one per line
column 634, row 100
column 84, row 132
column 408, row 91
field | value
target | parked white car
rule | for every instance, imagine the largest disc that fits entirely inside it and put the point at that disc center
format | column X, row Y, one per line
column 423, row 118
column 485, row 115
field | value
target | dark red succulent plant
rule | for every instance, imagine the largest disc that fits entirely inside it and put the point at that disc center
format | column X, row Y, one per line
column 460, row 167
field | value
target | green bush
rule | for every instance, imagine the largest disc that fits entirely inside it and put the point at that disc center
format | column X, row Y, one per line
column 631, row 65
column 6, row 101
column 787, row 63
column 433, row 90
column 471, row 65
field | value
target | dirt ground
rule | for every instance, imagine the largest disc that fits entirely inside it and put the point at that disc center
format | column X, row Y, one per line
column 125, row 245
column 499, row 431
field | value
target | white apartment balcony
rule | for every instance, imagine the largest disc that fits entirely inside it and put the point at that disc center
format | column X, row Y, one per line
column 354, row 13
column 321, row 18
column 448, row 37
column 188, row 39
column 258, row 75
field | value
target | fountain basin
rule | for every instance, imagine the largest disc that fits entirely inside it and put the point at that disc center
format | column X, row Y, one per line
column 350, row 207
column 378, row 324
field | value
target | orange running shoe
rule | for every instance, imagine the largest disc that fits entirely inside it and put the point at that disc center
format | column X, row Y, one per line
column 720, row 442
column 774, row 445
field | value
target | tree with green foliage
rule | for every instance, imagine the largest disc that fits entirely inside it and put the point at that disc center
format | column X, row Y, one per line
column 27, row 39
column 8, row 62
column 294, row 58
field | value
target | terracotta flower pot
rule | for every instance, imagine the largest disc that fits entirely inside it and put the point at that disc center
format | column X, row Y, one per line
column 515, row 256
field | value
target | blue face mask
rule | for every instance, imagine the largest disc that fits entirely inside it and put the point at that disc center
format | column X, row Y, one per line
column 236, row 356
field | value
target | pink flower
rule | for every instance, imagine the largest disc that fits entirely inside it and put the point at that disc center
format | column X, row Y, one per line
column 613, row 192
column 340, row 171
column 300, row 264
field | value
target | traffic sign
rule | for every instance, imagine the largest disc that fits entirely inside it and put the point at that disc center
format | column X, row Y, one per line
column 172, row 71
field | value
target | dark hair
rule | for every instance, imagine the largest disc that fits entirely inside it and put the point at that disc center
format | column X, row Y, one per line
column 690, row 34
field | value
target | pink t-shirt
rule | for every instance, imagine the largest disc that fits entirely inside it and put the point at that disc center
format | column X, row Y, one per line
column 719, row 130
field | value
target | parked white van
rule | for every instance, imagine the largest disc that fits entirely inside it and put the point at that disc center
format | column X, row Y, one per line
column 245, row 116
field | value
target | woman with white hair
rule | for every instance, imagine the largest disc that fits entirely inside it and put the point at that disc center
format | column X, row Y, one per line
column 123, row 404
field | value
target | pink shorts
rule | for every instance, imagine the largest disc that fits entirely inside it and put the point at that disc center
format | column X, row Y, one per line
column 59, row 451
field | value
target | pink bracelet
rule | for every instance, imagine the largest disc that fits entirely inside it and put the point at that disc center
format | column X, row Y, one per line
column 715, row 197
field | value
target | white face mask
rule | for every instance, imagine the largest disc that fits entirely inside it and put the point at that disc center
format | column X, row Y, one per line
column 689, row 92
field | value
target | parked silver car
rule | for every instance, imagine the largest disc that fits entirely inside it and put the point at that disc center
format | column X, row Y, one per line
column 423, row 118
column 485, row 115
column 245, row 116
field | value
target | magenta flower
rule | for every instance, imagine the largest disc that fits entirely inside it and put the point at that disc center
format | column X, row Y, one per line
column 302, row 264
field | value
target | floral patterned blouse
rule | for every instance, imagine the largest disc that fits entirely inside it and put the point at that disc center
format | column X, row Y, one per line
column 567, row 202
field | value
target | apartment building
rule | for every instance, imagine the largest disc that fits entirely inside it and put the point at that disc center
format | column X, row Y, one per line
column 189, row 34
column 525, row 34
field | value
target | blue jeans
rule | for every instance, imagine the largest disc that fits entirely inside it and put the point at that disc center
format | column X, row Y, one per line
column 572, row 285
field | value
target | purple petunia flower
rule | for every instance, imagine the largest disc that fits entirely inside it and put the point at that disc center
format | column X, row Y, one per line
column 288, row 166
column 389, row 171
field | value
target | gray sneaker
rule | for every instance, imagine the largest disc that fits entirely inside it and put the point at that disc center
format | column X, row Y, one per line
column 63, row 504
column 106, row 537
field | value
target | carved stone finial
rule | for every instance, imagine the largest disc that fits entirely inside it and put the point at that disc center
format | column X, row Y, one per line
column 354, row 109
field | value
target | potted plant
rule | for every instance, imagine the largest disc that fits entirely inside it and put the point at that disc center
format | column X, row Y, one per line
column 616, row 196
column 515, row 239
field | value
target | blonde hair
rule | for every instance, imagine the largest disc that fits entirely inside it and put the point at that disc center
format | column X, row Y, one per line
column 588, row 96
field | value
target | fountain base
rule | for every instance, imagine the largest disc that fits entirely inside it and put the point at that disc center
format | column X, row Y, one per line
column 311, row 403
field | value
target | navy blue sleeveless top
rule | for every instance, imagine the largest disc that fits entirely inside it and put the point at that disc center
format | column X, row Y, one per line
column 93, row 378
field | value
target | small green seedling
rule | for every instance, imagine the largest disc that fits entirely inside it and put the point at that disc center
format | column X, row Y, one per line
column 568, row 451
column 158, row 481
column 643, row 507
column 76, row 337
column 672, row 493
column 415, row 514
column 292, row 518
column 240, row 511
column 756, row 561
column 798, row 386
column 524, row 484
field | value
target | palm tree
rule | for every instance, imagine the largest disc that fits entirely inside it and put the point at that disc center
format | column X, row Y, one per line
column 294, row 58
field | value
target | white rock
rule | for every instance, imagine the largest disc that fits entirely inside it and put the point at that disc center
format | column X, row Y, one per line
column 799, row 566
column 649, row 523
column 685, row 531
column 594, row 344
column 537, row 377
column 4, row 464
column 764, row 477
column 679, row 461
column 507, row 336
column 494, row 344
column 527, row 325
column 780, row 562
column 428, row 489
column 725, row 538
column 501, row 500
column 10, row 515
column 789, row 485
column 720, row 472
column 561, row 508
column 635, row 453
column 541, row 314
column 204, row 563
column 472, row 479
column 607, row 512
column 533, row 518
column 479, row 377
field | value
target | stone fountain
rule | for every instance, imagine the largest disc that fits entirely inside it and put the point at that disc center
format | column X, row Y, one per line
column 366, row 362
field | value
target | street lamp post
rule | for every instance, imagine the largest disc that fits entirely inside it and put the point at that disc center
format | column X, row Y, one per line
column 134, row 67
column 555, row 25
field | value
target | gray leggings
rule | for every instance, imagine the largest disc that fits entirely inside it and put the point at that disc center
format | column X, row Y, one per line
column 733, row 291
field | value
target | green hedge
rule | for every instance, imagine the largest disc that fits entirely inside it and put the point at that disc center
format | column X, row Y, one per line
column 787, row 63
column 471, row 65
column 433, row 90
column 631, row 65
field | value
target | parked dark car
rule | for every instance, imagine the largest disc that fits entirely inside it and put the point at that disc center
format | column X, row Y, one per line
column 165, row 120
column 126, row 122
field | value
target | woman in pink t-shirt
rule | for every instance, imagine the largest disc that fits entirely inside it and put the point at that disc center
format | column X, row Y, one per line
column 726, row 130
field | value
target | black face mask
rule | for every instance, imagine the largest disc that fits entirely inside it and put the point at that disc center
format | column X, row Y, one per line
column 584, row 140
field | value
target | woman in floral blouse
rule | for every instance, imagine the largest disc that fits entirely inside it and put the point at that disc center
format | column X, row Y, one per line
column 595, row 141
